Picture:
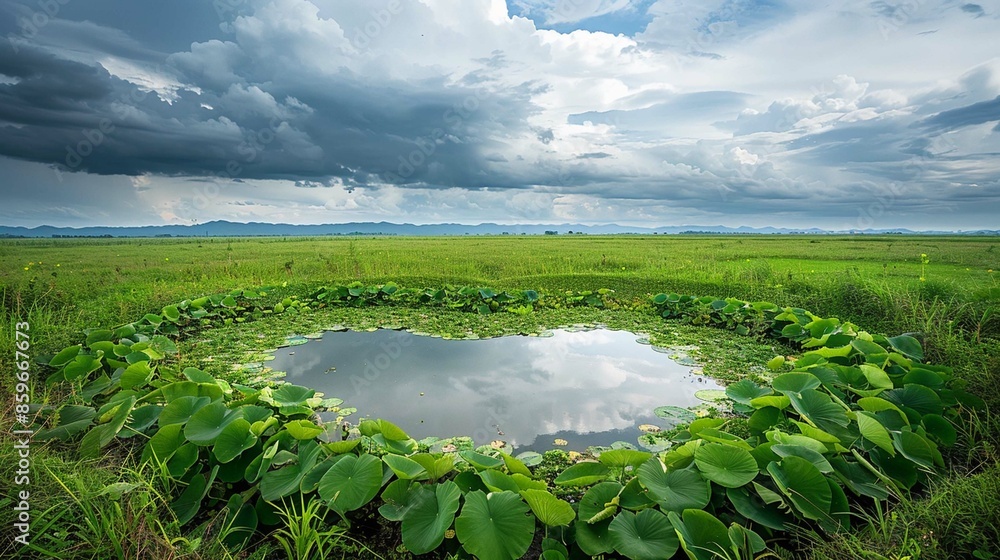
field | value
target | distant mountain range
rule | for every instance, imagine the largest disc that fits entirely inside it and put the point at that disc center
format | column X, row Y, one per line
column 236, row 229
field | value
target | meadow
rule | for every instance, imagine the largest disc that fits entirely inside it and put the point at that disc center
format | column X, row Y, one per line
column 941, row 290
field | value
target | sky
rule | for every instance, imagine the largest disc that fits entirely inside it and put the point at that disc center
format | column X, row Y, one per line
column 837, row 115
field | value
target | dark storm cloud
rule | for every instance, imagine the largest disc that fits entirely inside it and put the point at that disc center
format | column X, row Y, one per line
column 231, row 113
column 859, row 142
column 164, row 26
column 974, row 9
column 977, row 113
column 883, row 149
column 47, row 85
column 301, row 127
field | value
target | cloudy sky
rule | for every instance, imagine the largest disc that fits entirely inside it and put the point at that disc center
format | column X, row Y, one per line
column 846, row 114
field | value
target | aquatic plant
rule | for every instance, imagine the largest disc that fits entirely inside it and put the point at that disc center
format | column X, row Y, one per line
column 857, row 416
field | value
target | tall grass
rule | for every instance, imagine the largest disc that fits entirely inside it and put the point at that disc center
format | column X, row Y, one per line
column 305, row 534
column 959, row 518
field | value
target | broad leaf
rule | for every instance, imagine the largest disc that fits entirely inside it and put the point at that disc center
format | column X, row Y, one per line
column 404, row 467
column 435, row 467
column 596, row 500
column 234, row 439
column 745, row 391
column 186, row 506
column 939, row 427
column 495, row 526
column 352, row 482
column 497, row 481
column 430, row 514
column 181, row 409
column 702, row 535
column 548, row 509
column 622, row 458
column 674, row 414
column 303, row 429
column 647, row 535
column 208, row 422
column 726, row 465
column 916, row 448
column 873, row 431
column 72, row 420
column 907, row 346
column 795, row 382
column 751, row 506
column 582, row 474
column 819, row 409
column 291, row 395
column 65, row 356
column 916, row 397
column 675, row 490
column 802, row 482
column 817, row 459
column 876, row 376
column 480, row 461
column 278, row 483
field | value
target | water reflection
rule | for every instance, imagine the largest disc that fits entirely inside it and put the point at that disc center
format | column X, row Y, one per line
column 590, row 387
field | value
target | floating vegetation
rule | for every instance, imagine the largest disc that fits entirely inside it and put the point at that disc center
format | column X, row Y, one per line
column 683, row 359
column 674, row 414
column 253, row 367
column 711, row 395
column 651, row 442
column 530, row 458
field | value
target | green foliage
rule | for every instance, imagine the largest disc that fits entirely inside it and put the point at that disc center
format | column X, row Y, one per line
column 483, row 301
column 303, row 533
column 121, row 519
column 855, row 410
column 647, row 535
column 548, row 509
column 429, row 515
column 494, row 526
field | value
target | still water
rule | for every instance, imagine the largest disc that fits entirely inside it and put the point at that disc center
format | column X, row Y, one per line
column 590, row 387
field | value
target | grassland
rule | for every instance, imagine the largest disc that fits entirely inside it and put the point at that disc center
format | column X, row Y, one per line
column 883, row 284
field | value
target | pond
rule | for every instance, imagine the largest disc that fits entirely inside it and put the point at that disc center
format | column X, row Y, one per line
column 588, row 387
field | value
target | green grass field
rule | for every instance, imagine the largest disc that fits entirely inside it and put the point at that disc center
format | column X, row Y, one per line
column 944, row 289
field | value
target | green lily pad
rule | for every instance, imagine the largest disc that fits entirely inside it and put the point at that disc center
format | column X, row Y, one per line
column 675, row 414
column 711, row 395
